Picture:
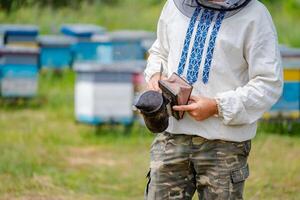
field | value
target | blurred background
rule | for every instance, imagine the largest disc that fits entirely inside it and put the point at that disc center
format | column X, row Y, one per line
column 69, row 73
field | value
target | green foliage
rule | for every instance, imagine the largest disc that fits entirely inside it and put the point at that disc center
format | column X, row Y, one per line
column 56, row 3
column 286, row 15
column 110, row 2
column 12, row 5
column 9, row 5
column 155, row 2
column 128, row 14
column 287, row 127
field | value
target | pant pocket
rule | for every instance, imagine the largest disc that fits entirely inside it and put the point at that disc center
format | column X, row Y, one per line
column 240, row 175
column 237, row 182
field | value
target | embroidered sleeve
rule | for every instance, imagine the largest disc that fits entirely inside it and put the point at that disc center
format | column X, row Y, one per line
column 246, row 104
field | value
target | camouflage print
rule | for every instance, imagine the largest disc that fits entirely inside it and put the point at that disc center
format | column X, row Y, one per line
column 182, row 164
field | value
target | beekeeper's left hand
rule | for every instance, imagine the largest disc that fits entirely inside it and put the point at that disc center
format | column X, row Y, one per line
column 199, row 107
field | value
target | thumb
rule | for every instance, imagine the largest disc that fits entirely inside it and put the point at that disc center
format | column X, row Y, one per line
column 194, row 98
column 189, row 107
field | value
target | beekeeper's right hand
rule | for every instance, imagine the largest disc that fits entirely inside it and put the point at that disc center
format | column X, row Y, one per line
column 153, row 82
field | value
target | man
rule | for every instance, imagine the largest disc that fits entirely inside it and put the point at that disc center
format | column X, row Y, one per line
column 228, row 51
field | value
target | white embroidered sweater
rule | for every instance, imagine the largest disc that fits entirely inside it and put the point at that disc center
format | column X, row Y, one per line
column 241, row 67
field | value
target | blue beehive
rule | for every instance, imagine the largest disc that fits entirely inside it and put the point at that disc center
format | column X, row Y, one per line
column 104, row 92
column 121, row 46
column 19, row 34
column 289, row 103
column 84, row 49
column 56, row 51
column 18, row 71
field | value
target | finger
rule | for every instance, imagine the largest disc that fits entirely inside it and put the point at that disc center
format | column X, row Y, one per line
column 164, row 78
column 189, row 107
column 191, row 101
column 194, row 98
column 150, row 86
column 156, row 87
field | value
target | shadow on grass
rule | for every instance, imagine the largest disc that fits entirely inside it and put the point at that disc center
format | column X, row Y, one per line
column 286, row 127
column 116, row 133
column 49, row 79
column 133, row 129
column 23, row 103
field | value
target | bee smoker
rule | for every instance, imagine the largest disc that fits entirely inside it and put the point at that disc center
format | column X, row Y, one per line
column 153, row 107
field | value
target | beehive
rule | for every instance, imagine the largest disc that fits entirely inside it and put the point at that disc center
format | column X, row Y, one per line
column 288, row 105
column 104, row 92
column 19, row 71
column 122, row 46
column 56, row 51
column 21, row 35
column 84, row 49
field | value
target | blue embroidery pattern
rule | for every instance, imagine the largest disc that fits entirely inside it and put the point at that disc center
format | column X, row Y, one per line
column 211, row 47
column 197, row 50
column 187, row 41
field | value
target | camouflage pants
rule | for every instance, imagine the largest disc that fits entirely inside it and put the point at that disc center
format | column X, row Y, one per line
column 182, row 164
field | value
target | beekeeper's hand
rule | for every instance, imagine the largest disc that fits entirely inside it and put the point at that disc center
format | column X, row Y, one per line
column 153, row 82
column 199, row 107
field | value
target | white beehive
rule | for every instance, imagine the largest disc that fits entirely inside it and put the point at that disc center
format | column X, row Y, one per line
column 104, row 93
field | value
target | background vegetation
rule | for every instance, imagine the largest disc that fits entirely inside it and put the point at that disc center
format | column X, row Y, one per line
column 127, row 14
column 46, row 155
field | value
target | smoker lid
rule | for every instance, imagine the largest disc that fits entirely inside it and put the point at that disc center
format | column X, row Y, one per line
column 5, row 50
column 150, row 102
column 19, row 29
column 134, row 66
column 125, row 36
column 81, row 30
column 60, row 40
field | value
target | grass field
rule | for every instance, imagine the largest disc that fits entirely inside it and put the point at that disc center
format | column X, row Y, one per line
column 45, row 155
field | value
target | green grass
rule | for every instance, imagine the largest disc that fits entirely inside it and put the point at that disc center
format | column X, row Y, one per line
column 45, row 154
